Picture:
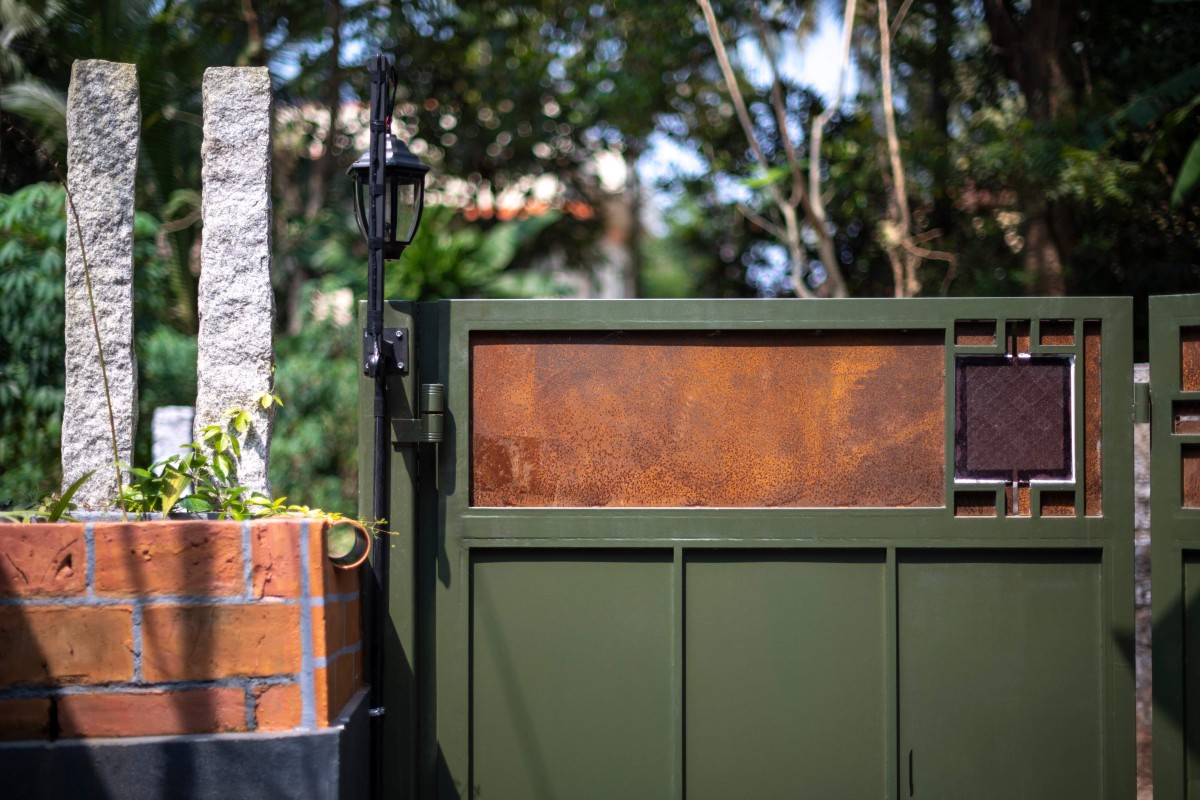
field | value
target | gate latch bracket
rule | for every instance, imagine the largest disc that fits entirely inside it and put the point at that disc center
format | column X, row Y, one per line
column 427, row 428
column 1141, row 402
column 395, row 351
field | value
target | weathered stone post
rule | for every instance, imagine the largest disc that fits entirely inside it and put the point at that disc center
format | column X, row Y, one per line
column 103, row 121
column 236, row 356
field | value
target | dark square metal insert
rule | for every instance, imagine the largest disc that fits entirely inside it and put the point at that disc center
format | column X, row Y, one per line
column 1013, row 418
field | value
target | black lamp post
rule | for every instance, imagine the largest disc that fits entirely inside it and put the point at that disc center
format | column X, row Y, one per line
column 389, row 193
column 389, row 184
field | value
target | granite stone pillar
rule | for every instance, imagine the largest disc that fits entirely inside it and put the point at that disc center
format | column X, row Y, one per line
column 236, row 355
column 103, row 122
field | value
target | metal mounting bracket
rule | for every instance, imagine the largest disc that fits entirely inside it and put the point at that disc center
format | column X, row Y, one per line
column 393, row 356
column 395, row 351
column 428, row 426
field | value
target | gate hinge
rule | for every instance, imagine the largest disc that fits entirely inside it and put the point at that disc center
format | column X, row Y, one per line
column 427, row 427
column 1141, row 402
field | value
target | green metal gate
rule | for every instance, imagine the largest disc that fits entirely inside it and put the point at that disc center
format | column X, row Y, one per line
column 714, row 549
column 1175, row 543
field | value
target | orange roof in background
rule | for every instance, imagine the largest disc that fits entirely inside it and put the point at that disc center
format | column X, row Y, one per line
column 530, row 209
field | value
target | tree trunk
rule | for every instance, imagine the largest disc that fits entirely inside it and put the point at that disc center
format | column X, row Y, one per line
column 1035, row 49
column 1042, row 256
column 941, row 77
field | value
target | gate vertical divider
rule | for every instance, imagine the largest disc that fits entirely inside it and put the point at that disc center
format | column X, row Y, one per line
column 1117, row 398
column 679, row 667
column 1080, row 412
column 443, row 589
column 1116, row 470
column 951, row 409
column 1166, row 560
column 892, row 671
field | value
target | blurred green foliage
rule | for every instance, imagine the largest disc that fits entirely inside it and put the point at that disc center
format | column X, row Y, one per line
column 32, row 349
column 497, row 93
column 31, row 341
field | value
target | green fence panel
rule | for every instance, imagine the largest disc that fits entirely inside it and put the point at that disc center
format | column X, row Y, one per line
column 860, row 548
column 1175, row 542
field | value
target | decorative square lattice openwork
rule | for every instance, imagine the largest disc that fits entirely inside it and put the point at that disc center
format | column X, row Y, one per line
column 1013, row 418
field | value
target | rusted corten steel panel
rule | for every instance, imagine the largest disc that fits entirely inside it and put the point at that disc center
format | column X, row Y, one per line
column 974, row 504
column 708, row 419
column 1058, row 332
column 1018, row 333
column 1189, row 343
column 1093, row 455
column 1058, row 504
column 975, row 332
column 1191, row 476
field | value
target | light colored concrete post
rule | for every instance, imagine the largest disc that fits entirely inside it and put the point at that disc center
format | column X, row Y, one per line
column 236, row 355
column 170, row 430
column 103, row 122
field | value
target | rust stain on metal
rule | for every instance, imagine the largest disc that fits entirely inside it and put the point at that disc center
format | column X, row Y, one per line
column 676, row 419
column 974, row 504
column 1058, row 504
column 1191, row 475
column 1018, row 337
column 1186, row 416
column 975, row 332
column 1093, row 456
column 1189, row 357
column 1023, row 500
column 1057, row 332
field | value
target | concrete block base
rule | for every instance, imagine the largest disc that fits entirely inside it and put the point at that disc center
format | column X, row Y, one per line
column 323, row 764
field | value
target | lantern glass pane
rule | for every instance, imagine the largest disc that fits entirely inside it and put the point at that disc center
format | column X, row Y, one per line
column 406, row 210
column 360, row 199
column 389, row 208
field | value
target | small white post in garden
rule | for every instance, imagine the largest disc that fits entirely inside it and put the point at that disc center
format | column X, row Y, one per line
column 236, row 355
column 103, row 122
column 170, row 430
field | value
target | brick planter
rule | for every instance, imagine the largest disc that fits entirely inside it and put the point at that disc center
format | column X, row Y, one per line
column 166, row 628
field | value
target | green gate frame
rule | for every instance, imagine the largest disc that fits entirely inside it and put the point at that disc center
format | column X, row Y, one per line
column 429, row 655
column 1175, row 542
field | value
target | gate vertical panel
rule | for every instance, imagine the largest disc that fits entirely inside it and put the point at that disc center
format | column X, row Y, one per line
column 1175, row 543
column 603, row 464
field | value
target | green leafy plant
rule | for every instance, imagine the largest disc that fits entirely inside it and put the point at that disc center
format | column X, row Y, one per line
column 208, row 468
column 53, row 508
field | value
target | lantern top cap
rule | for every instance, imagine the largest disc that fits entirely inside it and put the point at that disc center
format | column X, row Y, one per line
column 398, row 157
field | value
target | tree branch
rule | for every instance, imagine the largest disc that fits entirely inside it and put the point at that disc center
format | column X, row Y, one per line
column 902, row 214
column 735, row 92
column 777, row 102
column 761, row 221
column 816, row 200
column 900, row 15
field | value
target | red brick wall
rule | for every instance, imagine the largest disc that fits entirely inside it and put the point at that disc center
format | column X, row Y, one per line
column 136, row 629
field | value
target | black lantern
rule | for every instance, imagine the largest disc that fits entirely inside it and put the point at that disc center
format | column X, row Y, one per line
column 403, row 195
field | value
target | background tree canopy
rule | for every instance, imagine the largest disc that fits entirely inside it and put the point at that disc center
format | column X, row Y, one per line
column 601, row 149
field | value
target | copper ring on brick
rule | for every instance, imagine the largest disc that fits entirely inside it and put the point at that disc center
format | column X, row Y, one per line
column 348, row 556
